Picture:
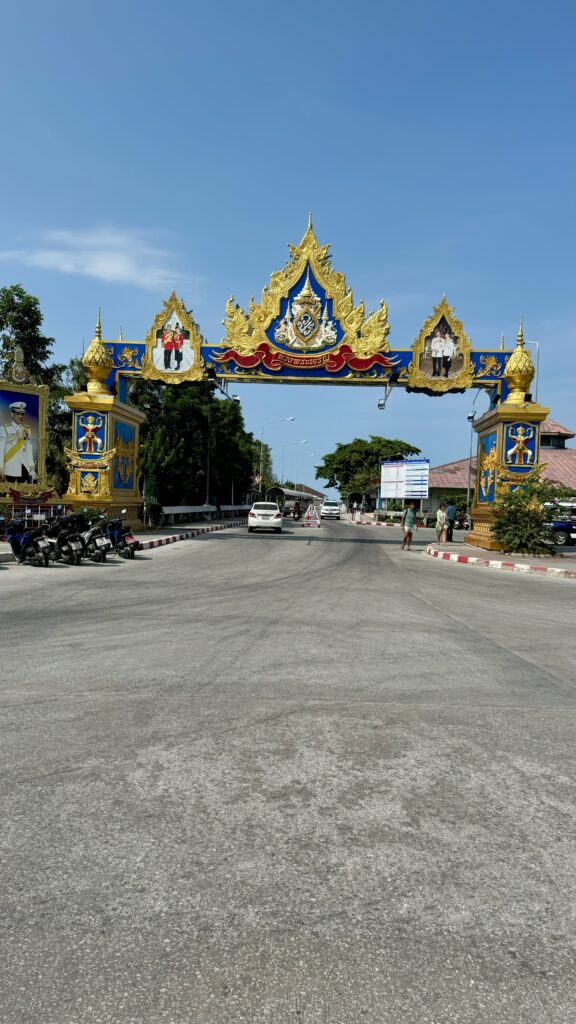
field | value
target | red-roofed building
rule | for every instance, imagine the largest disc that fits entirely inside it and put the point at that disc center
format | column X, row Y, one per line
column 451, row 479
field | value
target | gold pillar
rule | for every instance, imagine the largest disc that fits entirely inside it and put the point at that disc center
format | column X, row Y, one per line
column 103, row 460
column 508, row 445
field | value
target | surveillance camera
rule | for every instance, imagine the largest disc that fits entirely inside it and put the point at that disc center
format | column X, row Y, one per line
column 235, row 398
column 471, row 417
column 381, row 403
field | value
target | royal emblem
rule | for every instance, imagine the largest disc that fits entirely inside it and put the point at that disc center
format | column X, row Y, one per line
column 305, row 326
column 305, row 322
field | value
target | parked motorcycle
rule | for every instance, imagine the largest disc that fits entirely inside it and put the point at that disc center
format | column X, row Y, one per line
column 65, row 543
column 95, row 545
column 121, row 538
column 28, row 543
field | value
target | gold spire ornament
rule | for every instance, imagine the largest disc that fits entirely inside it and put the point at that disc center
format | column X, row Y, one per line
column 98, row 363
column 519, row 372
column 306, row 325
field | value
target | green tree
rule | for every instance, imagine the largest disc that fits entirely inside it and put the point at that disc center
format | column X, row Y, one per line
column 186, row 428
column 20, row 322
column 352, row 467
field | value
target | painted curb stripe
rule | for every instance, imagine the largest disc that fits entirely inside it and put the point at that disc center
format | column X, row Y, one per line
column 145, row 545
column 494, row 563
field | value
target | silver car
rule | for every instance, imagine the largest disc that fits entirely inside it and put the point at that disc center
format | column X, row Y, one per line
column 265, row 515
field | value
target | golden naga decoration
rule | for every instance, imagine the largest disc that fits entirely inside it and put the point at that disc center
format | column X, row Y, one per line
column 519, row 372
column 489, row 367
column 129, row 358
column 173, row 346
column 98, row 363
column 125, row 452
column 319, row 323
column 488, row 465
column 441, row 353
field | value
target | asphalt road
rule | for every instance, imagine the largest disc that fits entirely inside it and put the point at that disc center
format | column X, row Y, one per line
column 307, row 778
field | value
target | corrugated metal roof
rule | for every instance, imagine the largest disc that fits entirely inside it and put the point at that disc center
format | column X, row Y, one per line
column 560, row 467
column 551, row 427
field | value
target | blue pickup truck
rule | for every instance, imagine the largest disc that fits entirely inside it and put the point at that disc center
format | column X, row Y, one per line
column 563, row 521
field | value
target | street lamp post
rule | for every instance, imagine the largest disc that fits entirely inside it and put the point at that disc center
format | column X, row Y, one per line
column 471, row 417
column 285, row 419
column 208, row 443
column 284, row 447
column 537, row 347
column 231, row 398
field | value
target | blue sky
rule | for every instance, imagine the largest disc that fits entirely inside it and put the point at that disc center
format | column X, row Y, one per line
column 151, row 146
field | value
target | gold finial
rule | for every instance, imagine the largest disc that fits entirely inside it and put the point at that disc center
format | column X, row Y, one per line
column 120, row 338
column 98, row 362
column 502, row 342
column 310, row 219
column 519, row 371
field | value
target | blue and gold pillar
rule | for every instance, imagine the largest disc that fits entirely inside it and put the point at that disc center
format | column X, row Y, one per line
column 103, row 460
column 508, row 445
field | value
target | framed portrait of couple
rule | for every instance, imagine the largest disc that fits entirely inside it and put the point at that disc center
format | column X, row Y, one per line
column 441, row 353
column 173, row 345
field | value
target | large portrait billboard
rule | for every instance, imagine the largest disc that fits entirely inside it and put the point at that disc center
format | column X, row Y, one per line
column 22, row 435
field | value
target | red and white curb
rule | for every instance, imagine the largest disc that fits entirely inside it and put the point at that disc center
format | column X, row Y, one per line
column 496, row 563
column 145, row 545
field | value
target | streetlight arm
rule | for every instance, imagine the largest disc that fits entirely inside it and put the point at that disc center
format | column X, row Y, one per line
column 285, row 419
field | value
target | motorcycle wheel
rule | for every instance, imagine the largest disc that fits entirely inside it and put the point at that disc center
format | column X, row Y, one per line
column 42, row 559
column 77, row 559
column 67, row 554
column 28, row 556
column 131, row 552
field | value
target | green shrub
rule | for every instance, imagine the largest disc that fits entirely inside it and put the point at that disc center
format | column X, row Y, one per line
column 519, row 519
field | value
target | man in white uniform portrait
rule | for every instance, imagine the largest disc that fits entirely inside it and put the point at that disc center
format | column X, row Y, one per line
column 17, row 463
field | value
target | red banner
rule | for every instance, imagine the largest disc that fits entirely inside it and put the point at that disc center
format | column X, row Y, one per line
column 332, row 361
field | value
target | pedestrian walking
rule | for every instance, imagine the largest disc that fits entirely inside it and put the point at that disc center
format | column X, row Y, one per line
column 407, row 523
column 451, row 519
column 441, row 525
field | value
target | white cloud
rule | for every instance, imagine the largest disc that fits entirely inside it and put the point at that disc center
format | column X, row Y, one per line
column 114, row 255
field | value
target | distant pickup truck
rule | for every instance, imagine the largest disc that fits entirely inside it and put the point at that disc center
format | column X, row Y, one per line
column 562, row 521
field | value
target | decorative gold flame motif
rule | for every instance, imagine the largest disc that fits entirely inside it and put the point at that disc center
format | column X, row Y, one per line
column 305, row 325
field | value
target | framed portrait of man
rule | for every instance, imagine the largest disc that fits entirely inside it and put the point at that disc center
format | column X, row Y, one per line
column 23, row 410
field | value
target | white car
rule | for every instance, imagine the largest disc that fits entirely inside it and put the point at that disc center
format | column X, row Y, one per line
column 265, row 515
column 330, row 510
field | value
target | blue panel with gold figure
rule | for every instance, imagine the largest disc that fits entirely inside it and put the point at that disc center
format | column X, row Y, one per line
column 124, row 459
column 90, row 433
column 487, row 467
column 520, row 447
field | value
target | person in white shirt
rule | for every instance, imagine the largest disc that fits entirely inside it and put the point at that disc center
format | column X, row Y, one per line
column 436, row 349
column 448, row 349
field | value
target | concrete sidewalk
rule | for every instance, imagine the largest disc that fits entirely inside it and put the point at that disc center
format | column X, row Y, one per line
column 158, row 538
